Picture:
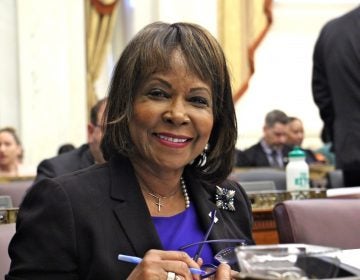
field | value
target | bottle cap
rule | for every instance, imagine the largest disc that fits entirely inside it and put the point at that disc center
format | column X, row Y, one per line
column 297, row 152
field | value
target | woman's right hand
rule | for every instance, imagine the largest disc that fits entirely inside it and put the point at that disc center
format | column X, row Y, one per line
column 157, row 264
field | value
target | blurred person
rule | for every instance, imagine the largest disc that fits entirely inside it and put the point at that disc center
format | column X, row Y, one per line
column 82, row 157
column 65, row 148
column 336, row 90
column 295, row 137
column 11, row 155
column 10, row 152
column 169, row 138
column 326, row 149
column 271, row 150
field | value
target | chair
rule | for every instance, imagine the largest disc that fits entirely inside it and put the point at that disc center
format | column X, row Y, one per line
column 278, row 176
column 335, row 179
column 5, row 202
column 256, row 186
column 15, row 189
column 6, row 233
column 327, row 222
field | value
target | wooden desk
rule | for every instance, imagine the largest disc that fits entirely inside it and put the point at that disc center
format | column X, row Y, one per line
column 8, row 215
column 264, row 229
column 16, row 178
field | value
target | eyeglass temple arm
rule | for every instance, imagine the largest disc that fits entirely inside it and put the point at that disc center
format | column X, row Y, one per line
column 240, row 241
column 198, row 251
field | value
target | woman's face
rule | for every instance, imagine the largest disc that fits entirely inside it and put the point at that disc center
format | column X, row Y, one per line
column 173, row 117
column 9, row 150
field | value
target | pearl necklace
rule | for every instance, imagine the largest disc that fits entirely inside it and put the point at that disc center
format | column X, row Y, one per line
column 158, row 198
column 186, row 195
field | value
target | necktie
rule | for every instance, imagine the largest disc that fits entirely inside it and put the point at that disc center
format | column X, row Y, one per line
column 275, row 162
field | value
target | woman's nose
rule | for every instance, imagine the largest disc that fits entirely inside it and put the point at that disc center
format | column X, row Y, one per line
column 176, row 114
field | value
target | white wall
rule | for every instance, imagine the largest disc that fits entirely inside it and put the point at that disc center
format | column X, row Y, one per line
column 9, row 91
column 283, row 66
column 45, row 96
column 42, row 55
column 203, row 12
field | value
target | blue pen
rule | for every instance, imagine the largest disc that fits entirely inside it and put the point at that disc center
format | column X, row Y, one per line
column 133, row 259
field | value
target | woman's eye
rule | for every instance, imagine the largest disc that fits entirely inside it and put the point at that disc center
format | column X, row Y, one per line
column 157, row 93
column 200, row 101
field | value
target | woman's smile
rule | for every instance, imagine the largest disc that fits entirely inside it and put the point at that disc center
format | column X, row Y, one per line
column 173, row 141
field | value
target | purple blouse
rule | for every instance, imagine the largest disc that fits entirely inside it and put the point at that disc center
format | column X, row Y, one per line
column 183, row 229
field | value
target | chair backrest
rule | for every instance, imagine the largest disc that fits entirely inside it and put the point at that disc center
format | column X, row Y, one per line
column 327, row 222
column 335, row 179
column 256, row 186
column 15, row 189
column 5, row 201
column 7, row 231
column 278, row 176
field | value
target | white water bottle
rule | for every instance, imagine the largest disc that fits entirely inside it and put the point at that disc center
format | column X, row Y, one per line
column 297, row 171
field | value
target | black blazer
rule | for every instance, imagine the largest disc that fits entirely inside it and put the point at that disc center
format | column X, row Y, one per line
column 65, row 163
column 256, row 156
column 336, row 85
column 74, row 226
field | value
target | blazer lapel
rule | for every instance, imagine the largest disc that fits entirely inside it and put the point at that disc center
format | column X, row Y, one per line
column 204, row 201
column 131, row 210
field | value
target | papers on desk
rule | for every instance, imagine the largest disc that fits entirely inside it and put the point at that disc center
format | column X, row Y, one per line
column 350, row 191
column 350, row 258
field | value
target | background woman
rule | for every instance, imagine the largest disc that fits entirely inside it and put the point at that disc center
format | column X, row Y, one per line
column 11, row 153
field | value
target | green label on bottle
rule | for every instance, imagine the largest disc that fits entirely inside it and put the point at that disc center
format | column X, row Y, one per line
column 302, row 181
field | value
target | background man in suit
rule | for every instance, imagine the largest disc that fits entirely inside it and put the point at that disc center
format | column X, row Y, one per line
column 79, row 158
column 295, row 137
column 271, row 150
column 336, row 90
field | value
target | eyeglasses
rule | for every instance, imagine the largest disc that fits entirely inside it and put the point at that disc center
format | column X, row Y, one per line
column 226, row 255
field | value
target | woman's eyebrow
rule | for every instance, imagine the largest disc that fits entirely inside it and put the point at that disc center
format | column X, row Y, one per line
column 161, row 80
column 167, row 84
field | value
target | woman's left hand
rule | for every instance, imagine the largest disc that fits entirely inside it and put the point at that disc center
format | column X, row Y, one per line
column 224, row 272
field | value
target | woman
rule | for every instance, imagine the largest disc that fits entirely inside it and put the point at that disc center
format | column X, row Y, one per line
column 10, row 153
column 169, row 138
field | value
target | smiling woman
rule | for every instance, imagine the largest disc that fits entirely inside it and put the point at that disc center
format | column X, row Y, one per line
column 169, row 135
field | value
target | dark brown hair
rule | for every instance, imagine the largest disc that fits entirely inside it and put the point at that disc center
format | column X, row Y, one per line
column 95, row 110
column 149, row 52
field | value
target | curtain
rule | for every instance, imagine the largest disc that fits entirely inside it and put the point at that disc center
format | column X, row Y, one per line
column 242, row 24
column 100, row 16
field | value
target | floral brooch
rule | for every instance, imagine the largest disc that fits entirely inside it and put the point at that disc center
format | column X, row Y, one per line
column 225, row 199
